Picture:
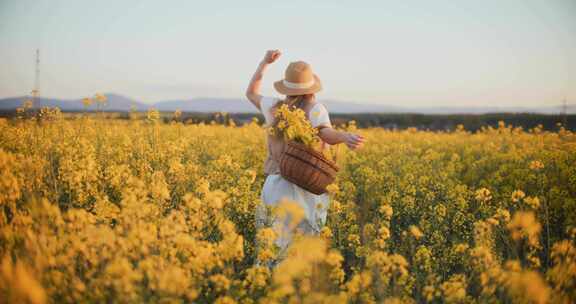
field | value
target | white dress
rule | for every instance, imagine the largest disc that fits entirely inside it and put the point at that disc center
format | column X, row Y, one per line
column 277, row 188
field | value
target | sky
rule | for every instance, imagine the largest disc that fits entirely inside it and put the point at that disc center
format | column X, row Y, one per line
column 406, row 53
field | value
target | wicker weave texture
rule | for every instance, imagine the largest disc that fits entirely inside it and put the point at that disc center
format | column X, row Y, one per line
column 307, row 168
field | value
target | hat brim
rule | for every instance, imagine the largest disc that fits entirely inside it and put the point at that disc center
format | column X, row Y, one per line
column 282, row 89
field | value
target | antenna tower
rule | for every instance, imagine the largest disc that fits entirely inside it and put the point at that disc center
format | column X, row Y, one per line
column 36, row 90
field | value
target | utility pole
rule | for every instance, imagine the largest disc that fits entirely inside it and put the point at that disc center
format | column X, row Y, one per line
column 36, row 90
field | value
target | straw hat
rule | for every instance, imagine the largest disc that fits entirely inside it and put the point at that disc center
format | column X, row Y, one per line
column 298, row 80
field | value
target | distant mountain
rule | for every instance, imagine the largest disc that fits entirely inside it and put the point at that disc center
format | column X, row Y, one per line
column 207, row 105
column 115, row 102
column 231, row 105
column 122, row 103
column 348, row 107
column 15, row 102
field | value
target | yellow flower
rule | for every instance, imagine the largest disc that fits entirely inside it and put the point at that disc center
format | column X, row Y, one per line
column 532, row 202
column 266, row 236
column 524, row 225
column 460, row 248
column 502, row 215
column 536, row 165
column 290, row 211
column 332, row 188
column 27, row 104
column 221, row 282
column 124, row 211
column 23, row 286
column 177, row 114
column 386, row 210
column 326, row 233
column 517, row 195
column 526, row 286
column 493, row 221
column 87, row 101
column 454, row 290
column 153, row 115
column 483, row 195
column 225, row 300
column 292, row 124
column 384, row 233
column 101, row 98
column 416, row 232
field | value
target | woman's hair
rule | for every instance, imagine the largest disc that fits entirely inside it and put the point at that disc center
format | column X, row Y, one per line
column 297, row 101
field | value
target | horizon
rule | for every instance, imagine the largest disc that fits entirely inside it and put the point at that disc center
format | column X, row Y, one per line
column 569, row 106
column 441, row 54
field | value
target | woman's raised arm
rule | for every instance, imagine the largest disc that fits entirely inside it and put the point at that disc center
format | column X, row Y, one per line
column 253, row 90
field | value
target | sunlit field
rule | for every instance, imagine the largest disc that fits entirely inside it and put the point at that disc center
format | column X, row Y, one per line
column 96, row 209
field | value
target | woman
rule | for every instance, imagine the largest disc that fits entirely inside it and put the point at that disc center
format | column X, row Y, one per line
column 299, row 85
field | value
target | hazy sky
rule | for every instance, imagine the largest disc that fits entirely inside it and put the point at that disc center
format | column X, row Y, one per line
column 411, row 53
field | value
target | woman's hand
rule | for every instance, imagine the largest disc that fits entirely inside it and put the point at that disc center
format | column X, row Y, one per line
column 334, row 137
column 353, row 141
column 271, row 56
column 253, row 90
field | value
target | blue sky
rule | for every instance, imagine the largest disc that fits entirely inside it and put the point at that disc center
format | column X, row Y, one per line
column 411, row 53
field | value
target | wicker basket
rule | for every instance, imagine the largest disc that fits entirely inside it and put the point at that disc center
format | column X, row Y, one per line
column 307, row 168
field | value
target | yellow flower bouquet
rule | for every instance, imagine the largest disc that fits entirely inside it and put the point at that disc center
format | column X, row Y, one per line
column 292, row 125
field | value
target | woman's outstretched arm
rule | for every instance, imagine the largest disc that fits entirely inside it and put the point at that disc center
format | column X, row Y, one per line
column 253, row 90
column 333, row 137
